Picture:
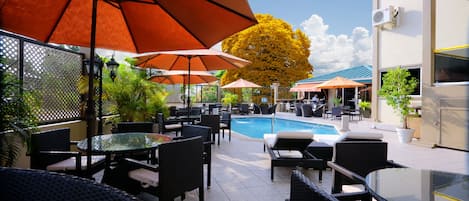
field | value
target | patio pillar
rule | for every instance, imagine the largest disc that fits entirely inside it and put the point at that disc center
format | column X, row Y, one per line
column 275, row 87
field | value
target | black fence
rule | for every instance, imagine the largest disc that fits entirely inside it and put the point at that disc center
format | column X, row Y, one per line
column 50, row 72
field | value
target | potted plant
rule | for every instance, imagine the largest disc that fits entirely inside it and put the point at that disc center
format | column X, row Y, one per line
column 17, row 119
column 396, row 89
column 229, row 99
column 365, row 108
column 337, row 101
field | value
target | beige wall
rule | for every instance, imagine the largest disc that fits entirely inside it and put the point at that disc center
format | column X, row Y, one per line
column 397, row 46
column 445, row 107
column 423, row 27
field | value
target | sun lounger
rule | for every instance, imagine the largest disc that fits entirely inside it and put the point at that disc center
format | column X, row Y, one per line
column 288, row 149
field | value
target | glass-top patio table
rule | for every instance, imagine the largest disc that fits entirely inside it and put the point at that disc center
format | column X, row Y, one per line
column 123, row 143
column 415, row 184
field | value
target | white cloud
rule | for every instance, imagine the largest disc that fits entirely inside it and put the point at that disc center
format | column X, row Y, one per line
column 334, row 52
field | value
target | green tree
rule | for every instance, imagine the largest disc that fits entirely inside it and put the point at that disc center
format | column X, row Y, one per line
column 134, row 97
column 277, row 52
column 397, row 86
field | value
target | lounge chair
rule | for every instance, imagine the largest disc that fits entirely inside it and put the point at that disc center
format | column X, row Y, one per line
column 354, row 158
column 257, row 109
column 318, row 110
column 272, row 109
column 288, row 149
column 302, row 189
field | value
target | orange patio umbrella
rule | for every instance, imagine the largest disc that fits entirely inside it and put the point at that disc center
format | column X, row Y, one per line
column 241, row 83
column 182, row 77
column 197, row 59
column 339, row 82
column 134, row 26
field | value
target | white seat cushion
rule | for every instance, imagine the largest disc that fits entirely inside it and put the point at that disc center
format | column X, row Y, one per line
column 271, row 139
column 145, row 177
column 172, row 126
column 223, row 125
column 357, row 135
column 70, row 163
column 288, row 154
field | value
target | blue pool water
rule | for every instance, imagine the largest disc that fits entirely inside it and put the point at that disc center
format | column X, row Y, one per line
column 256, row 127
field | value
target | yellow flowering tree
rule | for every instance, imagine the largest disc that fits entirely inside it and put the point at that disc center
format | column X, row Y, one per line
column 277, row 52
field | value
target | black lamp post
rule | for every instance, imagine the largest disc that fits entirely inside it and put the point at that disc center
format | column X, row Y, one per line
column 97, row 71
column 112, row 66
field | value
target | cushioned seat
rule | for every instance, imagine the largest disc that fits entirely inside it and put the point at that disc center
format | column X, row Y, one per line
column 70, row 163
column 288, row 149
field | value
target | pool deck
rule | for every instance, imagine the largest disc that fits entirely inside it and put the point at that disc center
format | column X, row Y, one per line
column 241, row 170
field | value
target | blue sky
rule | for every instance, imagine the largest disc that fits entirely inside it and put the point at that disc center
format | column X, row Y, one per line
column 339, row 30
column 341, row 15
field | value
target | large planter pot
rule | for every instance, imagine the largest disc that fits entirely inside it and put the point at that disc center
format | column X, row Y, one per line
column 404, row 135
column 366, row 113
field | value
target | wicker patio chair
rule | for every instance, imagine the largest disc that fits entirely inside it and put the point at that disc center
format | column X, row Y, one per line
column 225, row 123
column 307, row 110
column 167, row 126
column 212, row 121
column 51, row 150
column 179, row 170
column 28, row 184
column 205, row 132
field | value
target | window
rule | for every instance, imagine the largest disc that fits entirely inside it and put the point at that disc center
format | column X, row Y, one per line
column 451, row 68
column 414, row 72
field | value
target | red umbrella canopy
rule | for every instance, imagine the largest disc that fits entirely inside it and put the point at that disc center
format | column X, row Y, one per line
column 181, row 77
column 133, row 26
column 200, row 60
column 241, row 83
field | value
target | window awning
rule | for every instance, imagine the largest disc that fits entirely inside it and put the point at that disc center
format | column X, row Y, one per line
column 309, row 87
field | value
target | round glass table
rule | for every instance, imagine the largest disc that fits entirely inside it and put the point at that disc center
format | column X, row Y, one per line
column 123, row 143
column 395, row 184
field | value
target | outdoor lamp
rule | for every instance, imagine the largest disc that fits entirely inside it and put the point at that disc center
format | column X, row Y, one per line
column 98, row 64
column 112, row 65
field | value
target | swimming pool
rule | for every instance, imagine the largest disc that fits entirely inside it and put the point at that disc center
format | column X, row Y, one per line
column 256, row 127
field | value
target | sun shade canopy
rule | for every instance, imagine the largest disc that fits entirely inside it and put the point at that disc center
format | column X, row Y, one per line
column 181, row 77
column 307, row 87
column 339, row 82
column 241, row 83
column 133, row 26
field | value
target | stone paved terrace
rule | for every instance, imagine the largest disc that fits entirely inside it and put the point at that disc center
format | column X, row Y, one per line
column 241, row 170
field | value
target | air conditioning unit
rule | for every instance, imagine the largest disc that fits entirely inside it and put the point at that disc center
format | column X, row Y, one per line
column 384, row 16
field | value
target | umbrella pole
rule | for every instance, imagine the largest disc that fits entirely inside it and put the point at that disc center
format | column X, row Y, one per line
column 188, row 86
column 90, row 120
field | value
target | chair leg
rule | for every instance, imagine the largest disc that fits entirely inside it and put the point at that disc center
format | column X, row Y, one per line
column 271, row 172
column 229, row 135
column 223, row 133
column 201, row 193
column 218, row 138
column 320, row 175
column 209, row 170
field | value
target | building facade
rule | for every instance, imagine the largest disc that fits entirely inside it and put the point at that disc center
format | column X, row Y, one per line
column 431, row 39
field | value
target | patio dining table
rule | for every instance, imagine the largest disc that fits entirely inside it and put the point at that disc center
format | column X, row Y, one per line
column 395, row 184
column 123, row 143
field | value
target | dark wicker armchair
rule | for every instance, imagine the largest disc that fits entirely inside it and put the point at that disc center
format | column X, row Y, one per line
column 167, row 126
column 225, row 123
column 307, row 110
column 51, row 150
column 39, row 185
column 205, row 132
column 355, row 159
column 179, row 170
column 212, row 121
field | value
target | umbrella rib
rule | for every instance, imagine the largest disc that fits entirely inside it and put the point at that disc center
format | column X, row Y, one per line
column 231, row 10
column 130, row 30
column 57, row 21
column 182, row 25
column 230, row 63
column 112, row 3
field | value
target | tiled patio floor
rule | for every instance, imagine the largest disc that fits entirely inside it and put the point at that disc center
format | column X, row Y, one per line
column 241, row 170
